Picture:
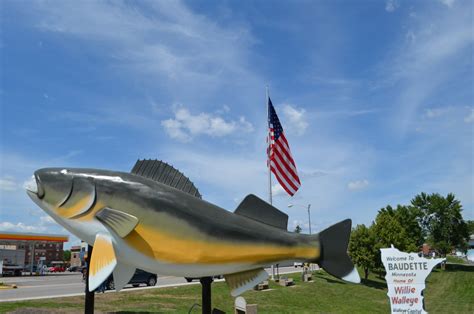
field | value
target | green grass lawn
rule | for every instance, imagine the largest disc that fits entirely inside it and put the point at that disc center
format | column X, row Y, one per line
column 456, row 260
column 450, row 291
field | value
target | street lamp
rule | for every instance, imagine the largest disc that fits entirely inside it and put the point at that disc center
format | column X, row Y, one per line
column 309, row 213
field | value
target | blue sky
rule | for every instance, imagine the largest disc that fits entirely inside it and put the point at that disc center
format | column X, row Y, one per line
column 376, row 98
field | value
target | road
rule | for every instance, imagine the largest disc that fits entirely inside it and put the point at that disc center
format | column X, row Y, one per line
column 70, row 284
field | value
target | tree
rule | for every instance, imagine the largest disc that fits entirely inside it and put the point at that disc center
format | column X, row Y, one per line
column 410, row 218
column 66, row 255
column 442, row 221
column 470, row 226
column 298, row 229
column 388, row 231
column 362, row 248
column 391, row 227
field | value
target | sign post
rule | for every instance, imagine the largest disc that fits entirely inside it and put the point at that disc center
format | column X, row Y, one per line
column 89, row 297
column 406, row 275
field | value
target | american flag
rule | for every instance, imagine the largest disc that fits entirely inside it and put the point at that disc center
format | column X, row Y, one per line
column 279, row 155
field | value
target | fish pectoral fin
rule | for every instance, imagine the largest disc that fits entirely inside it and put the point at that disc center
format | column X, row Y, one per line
column 122, row 275
column 120, row 222
column 103, row 260
column 246, row 280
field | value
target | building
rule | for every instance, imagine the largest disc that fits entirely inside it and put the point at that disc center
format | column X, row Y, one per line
column 26, row 249
column 79, row 254
column 426, row 249
column 76, row 255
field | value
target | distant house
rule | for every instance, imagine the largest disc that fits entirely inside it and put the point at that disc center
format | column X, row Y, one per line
column 426, row 249
column 76, row 256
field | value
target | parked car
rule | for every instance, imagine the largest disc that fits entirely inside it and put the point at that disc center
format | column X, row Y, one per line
column 138, row 278
column 56, row 269
column 11, row 270
column 298, row 264
column 74, row 268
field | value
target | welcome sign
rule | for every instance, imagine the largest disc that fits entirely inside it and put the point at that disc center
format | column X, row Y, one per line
column 406, row 275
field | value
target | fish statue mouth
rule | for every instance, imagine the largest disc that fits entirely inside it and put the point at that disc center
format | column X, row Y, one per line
column 33, row 187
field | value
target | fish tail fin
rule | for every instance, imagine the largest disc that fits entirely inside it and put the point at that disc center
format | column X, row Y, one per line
column 334, row 259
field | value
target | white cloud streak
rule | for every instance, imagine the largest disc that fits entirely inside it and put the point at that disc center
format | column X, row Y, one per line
column 431, row 113
column 430, row 58
column 357, row 185
column 391, row 5
column 43, row 225
column 20, row 227
column 448, row 3
column 163, row 39
column 470, row 117
column 312, row 174
column 8, row 184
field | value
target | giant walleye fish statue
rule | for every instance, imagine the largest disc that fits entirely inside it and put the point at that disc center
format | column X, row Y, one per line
column 154, row 219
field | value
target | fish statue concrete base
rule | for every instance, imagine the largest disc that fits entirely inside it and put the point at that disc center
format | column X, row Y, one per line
column 154, row 219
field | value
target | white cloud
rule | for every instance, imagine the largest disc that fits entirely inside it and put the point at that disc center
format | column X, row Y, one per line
column 43, row 224
column 47, row 220
column 470, row 117
column 184, row 126
column 8, row 184
column 391, row 5
column 174, row 130
column 21, row 227
column 336, row 81
column 278, row 191
column 357, row 185
column 424, row 62
column 448, row 3
column 431, row 113
column 347, row 112
column 163, row 39
column 296, row 118
column 312, row 174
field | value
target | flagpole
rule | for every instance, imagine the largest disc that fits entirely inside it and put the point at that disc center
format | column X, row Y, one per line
column 268, row 161
column 268, row 150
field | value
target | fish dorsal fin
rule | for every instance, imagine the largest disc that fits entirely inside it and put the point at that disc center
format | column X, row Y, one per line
column 246, row 280
column 160, row 171
column 257, row 209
